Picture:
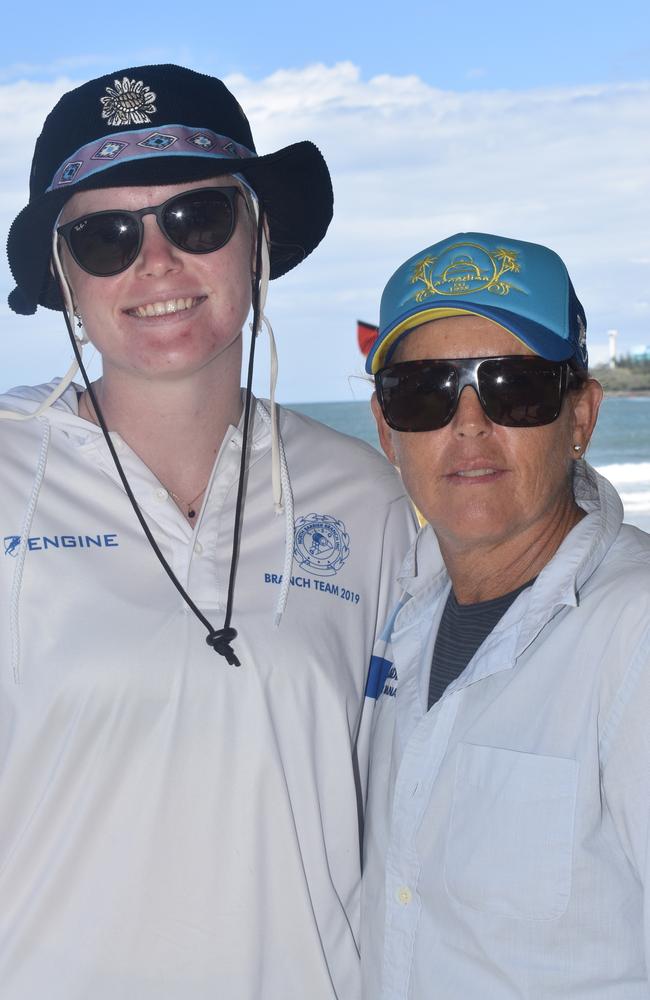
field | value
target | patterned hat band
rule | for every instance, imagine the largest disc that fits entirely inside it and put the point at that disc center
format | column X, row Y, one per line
column 122, row 147
column 189, row 128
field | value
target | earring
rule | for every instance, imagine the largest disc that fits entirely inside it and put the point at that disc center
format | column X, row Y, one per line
column 81, row 338
column 577, row 447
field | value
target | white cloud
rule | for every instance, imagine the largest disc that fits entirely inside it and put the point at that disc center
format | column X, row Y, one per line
column 410, row 165
column 67, row 64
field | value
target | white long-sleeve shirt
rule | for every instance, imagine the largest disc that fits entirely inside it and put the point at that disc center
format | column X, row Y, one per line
column 508, row 827
column 172, row 827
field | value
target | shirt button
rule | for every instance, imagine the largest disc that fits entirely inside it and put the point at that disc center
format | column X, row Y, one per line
column 404, row 895
column 161, row 493
column 198, row 548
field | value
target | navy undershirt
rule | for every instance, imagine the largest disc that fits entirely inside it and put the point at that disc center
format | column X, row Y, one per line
column 462, row 629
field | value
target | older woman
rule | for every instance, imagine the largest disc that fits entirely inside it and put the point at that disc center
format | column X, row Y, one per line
column 509, row 803
column 176, row 824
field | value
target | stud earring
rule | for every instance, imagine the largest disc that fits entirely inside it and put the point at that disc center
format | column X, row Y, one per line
column 577, row 447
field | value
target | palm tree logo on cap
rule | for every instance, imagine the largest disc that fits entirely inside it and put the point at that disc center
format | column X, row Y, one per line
column 465, row 268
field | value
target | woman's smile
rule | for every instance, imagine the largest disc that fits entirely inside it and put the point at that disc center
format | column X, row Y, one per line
column 165, row 308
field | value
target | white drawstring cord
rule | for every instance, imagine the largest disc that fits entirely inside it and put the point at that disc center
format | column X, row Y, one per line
column 14, row 608
column 288, row 534
column 64, row 284
column 276, row 476
column 281, row 484
column 47, row 402
column 288, row 514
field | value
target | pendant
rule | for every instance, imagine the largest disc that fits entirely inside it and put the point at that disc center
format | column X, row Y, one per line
column 191, row 513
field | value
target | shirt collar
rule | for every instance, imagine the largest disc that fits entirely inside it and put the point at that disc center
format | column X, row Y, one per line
column 423, row 575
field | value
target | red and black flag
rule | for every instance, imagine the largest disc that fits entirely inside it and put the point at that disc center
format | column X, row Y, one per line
column 366, row 335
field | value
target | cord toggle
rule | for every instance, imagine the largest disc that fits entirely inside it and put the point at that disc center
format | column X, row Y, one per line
column 220, row 640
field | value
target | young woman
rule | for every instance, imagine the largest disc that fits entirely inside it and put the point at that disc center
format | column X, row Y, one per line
column 177, row 823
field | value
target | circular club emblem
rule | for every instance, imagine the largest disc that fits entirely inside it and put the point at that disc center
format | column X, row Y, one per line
column 321, row 544
column 465, row 267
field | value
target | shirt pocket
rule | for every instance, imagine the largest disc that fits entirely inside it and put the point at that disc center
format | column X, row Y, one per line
column 510, row 839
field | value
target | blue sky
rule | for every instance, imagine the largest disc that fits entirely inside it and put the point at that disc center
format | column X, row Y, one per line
column 469, row 45
column 529, row 121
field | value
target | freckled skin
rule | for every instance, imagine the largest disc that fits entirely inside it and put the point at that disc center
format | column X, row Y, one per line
column 499, row 530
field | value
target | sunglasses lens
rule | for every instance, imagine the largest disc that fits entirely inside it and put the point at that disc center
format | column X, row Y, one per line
column 514, row 391
column 521, row 392
column 104, row 243
column 417, row 396
column 200, row 221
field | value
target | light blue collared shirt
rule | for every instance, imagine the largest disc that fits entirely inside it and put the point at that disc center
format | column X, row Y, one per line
column 507, row 828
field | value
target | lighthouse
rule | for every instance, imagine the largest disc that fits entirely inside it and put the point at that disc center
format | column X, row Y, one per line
column 612, row 334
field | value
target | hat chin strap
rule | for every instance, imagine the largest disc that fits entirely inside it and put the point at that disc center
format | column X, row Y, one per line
column 66, row 292
column 281, row 484
column 263, row 278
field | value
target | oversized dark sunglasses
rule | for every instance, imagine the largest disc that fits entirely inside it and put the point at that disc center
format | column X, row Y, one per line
column 514, row 391
column 198, row 221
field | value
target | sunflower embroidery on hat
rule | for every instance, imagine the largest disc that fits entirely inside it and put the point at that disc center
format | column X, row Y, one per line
column 465, row 268
column 130, row 103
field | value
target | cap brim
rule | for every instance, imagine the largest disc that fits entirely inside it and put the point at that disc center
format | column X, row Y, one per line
column 538, row 338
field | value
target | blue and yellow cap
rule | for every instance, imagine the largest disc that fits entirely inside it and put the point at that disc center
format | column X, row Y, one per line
column 524, row 287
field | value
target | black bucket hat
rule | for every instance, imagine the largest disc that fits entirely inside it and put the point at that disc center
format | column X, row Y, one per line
column 151, row 125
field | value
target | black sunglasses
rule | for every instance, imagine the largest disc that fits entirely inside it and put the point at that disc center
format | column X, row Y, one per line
column 514, row 391
column 198, row 221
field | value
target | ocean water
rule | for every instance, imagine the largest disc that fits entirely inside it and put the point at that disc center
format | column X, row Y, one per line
column 620, row 447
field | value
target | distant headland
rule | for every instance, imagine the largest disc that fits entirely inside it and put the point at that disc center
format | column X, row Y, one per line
column 624, row 379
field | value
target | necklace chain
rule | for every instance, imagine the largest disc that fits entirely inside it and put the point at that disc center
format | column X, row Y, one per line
column 191, row 510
